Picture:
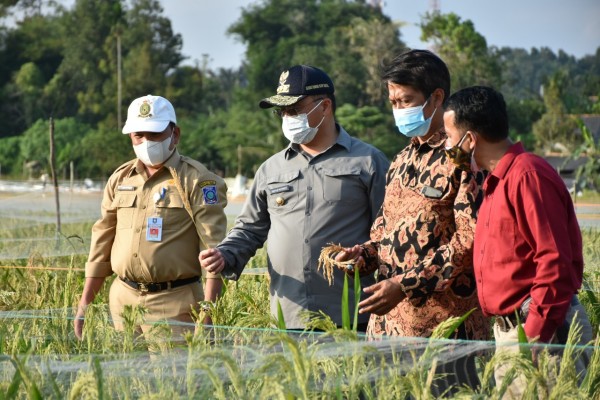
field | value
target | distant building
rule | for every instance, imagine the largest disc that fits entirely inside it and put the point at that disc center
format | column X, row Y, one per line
column 566, row 168
column 592, row 122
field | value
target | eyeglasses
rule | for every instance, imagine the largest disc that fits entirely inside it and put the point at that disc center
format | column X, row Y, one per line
column 293, row 111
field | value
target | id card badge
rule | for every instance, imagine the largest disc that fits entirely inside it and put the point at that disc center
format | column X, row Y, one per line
column 154, row 229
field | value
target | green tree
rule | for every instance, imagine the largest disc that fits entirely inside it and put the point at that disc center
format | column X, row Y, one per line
column 151, row 50
column 29, row 56
column 330, row 34
column 371, row 125
column 522, row 114
column 10, row 160
column 257, row 131
column 554, row 130
column 372, row 41
column 28, row 88
column 463, row 49
column 79, row 84
column 35, row 142
column 100, row 151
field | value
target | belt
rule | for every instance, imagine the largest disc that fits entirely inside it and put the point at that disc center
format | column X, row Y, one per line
column 507, row 322
column 154, row 287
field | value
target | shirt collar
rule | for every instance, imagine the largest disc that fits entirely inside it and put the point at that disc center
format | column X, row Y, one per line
column 507, row 159
column 172, row 161
column 343, row 140
column 437, row 139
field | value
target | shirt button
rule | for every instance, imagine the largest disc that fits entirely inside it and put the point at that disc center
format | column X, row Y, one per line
column 143, row 207
column 308, row 213
column 134, row 255
column 138, row 230
column 309, row 188
column 305, row 240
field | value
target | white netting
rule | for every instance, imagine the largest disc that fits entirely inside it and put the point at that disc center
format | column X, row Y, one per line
column 28, row 215
column 229, row 362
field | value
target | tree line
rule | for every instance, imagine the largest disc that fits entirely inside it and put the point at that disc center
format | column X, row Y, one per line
column 65, row 63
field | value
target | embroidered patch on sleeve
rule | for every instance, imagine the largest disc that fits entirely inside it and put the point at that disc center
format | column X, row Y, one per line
column 209, row 192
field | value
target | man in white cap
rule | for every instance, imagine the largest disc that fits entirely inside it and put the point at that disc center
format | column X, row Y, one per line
column 159, row 211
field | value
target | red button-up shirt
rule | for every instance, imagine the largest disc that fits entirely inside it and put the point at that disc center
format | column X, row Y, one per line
column 527, row 243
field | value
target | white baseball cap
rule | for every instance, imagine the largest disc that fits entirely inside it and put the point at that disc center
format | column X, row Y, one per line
column 149, row 114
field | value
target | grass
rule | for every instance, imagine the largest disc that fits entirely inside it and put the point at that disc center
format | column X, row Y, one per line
column 587, row 196
column 245, row 355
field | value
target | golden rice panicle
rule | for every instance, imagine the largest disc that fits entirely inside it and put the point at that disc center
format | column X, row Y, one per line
column 326, row 262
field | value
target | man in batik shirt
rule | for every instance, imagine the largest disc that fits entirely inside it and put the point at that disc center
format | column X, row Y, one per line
column 422, row 239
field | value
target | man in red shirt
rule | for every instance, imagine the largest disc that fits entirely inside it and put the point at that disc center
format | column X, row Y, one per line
column 527, row 252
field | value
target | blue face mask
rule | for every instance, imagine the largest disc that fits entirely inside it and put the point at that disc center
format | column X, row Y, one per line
column 411, row 122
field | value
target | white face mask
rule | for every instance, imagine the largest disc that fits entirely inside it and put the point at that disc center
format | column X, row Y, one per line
column 297, row 129
column 154, row 153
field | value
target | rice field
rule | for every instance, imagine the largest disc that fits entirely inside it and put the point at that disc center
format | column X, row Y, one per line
column 244, row 355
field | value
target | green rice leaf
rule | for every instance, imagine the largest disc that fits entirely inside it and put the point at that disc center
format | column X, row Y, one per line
column 357, row 290
column 345, row 308
column 280, row 319
column 522, row 336
column 445, row 330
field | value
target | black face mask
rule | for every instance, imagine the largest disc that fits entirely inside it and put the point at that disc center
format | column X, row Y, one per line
column 459, row 157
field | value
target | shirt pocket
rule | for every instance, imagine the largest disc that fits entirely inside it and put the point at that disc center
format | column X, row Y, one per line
column 342, row 185
column 125, row 206
column 282, row 191
column 501, row 239
column 173, row 213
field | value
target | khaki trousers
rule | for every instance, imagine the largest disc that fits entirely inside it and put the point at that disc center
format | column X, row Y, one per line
column 172, row 306
column 508, row 341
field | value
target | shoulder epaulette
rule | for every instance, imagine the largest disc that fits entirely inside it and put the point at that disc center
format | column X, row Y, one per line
column 125, row 165
column 194, row 163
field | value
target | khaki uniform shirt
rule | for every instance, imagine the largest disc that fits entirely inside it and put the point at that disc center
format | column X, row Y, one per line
column 300, row 204
column 119, row 242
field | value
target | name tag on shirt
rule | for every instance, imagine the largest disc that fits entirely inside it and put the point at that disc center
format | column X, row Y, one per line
column 281, row 189
column 154, row 229
column 431, row 192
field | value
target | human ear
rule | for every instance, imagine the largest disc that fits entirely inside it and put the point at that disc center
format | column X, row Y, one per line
column 438, row 97
column 176, row 135
column 473, row 141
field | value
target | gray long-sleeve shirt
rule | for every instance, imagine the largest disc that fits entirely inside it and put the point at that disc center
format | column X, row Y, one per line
column 300, row 204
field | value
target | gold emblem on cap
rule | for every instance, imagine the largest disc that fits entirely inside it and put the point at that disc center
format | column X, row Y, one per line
column 280, row 201
column 282, row 85
column 283, row 77
column 145, row 110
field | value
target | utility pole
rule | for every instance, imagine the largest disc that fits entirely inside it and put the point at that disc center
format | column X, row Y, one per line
column 54, row 177
column 119, row 119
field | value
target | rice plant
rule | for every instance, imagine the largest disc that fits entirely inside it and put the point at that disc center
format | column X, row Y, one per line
column 247, row 354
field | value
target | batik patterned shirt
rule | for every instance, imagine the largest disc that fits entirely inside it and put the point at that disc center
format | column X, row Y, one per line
column 423, row 239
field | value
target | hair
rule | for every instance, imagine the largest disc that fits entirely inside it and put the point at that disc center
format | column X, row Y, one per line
column 420, row 69
column 480, row 109
column 331, row 97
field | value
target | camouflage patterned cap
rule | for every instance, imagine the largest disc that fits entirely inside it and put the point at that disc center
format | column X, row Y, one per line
column 296, row 83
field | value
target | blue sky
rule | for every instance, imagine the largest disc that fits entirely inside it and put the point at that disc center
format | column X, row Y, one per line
column 570, row 25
